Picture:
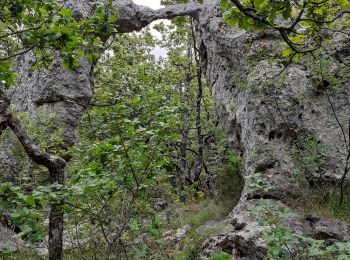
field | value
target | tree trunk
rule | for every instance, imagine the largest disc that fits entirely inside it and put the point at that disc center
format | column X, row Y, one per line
column 200, row 137
column 56, row 166
column 56, row 221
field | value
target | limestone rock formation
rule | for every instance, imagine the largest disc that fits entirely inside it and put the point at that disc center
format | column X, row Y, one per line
column 271, row 123
column 268, row 121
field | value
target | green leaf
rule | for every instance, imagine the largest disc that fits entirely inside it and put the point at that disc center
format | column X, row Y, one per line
column 224, row 4
column 66, row 13
column 287, row 13
column 287, row 52
column 296, row 57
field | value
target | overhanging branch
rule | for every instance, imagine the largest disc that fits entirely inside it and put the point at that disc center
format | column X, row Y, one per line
column 34, row 153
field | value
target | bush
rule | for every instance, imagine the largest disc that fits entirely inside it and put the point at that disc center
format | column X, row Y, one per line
column 229, row 183
column 221, row 256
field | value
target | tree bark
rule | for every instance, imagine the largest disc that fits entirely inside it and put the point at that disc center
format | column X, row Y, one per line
column 200, row 137
column 56, row 220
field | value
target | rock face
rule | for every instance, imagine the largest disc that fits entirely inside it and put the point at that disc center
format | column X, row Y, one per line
column 60, row 92
column 57, row 91
column 65, row 93
column 283, row 127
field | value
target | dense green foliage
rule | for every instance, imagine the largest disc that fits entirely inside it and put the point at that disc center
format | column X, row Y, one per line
column 47, row 29
column 137, row 139
column 303, row 25
column 128, row 157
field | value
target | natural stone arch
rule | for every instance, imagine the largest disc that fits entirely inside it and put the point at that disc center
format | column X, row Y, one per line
column 259, row 123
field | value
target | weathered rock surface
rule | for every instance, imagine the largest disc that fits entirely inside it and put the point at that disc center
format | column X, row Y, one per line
column 271, row 121
column 331, row 229
column 251, row 219
column 173, row 237
column 8, row 240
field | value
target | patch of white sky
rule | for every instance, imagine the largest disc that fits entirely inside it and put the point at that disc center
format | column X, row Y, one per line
column 154, row 4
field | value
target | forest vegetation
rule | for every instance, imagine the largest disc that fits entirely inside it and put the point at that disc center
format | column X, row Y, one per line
column 151, row 171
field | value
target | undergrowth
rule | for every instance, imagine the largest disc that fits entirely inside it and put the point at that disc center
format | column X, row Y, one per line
column 195, row 215
column 324, row 203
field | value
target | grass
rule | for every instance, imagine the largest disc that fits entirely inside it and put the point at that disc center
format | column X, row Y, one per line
column 321, row 203
column 20, row 255
column 228, row 188
column 195, row 214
